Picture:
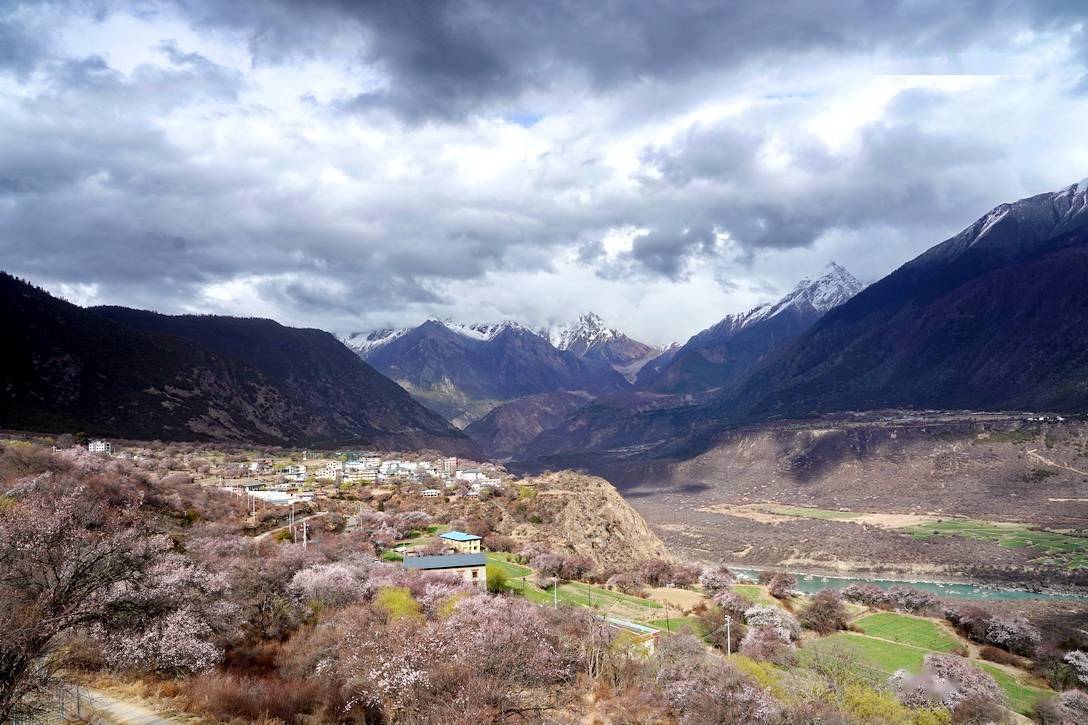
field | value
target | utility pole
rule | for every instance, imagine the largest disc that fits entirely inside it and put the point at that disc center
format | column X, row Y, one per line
column 668, row 628
column 728, row 636
column 305, row 533
column 555, row 592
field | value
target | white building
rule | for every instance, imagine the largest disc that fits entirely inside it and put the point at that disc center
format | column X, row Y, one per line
column 370, row 461
column 295, row 472
column 447, row 467
column 331, row 471
column 431, row 492
column 470, row 475
column 100, row 446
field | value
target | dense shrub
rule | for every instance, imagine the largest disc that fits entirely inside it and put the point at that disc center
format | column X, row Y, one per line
column 253, row 699
column 498, row 542
column 825, row 613
column 767, row 644
column 715, row 579
column 1000, row 656
column 948, row 681
column 713, row 621
column 705, row 689
column 732, row 603
column 783, row 624
column 655, row 572
column 683, row 575
column 1068, row 708
column 1078, row 660
column 864, row 593
column 781, row 585
column 909, row 599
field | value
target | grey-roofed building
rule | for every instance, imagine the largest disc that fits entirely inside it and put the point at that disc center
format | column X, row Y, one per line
column 471, row 567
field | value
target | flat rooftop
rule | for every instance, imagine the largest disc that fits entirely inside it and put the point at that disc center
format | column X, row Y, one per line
column 459, row 536
column 450, row 561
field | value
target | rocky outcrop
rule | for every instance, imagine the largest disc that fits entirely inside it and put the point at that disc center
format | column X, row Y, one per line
column 585, row 515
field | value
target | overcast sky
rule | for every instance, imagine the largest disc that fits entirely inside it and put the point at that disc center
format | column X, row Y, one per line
column 352, row 165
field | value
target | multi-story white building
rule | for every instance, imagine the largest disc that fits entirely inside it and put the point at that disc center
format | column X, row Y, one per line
column 295, row 472
column 354, row 471
column 331, row 471
column 100, row 446
column 470, row 475
column 370, row 461
column 389, row 467
column 447, row 467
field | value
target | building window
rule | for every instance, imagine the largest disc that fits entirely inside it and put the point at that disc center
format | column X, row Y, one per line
column 475, row 574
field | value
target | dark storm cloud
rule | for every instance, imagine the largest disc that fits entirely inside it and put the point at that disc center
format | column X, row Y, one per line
column 448, row 59
column 666, row 251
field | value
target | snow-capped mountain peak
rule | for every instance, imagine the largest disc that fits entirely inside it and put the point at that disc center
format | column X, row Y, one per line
column 362, row 343
column 835, row 286
column 588, row 330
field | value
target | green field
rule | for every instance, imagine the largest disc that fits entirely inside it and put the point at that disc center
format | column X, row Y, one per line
column 1063, row 549
column 886, row 657
column 571, row 593
column 1022, row 698
column 585, row 595
column 754, row 592
column 502, row 561
column 808, row 512
column 907, row 630
column 692, row 625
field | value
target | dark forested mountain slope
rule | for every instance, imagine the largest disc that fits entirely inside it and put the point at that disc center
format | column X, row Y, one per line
column 135, row 374
column 994, row 318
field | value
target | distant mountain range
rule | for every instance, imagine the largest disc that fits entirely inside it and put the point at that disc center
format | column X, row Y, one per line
column 464, row 371
column 995, row 318
column 125, row 373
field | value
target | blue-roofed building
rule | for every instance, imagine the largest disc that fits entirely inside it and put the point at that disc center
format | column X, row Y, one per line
column 462, row 542
column 471, row 567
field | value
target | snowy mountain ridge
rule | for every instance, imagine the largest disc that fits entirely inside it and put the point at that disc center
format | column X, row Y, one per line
column 364, row 343
column 589, row 329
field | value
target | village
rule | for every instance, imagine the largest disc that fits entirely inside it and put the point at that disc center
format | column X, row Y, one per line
column 417, row 538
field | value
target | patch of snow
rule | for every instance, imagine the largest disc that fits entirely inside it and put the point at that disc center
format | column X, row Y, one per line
column 990, row 220
column 364, row 343
column 482, row 332
column 1082, row 187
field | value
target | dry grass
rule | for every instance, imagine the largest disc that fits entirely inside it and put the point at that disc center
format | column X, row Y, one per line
column 229, row 697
